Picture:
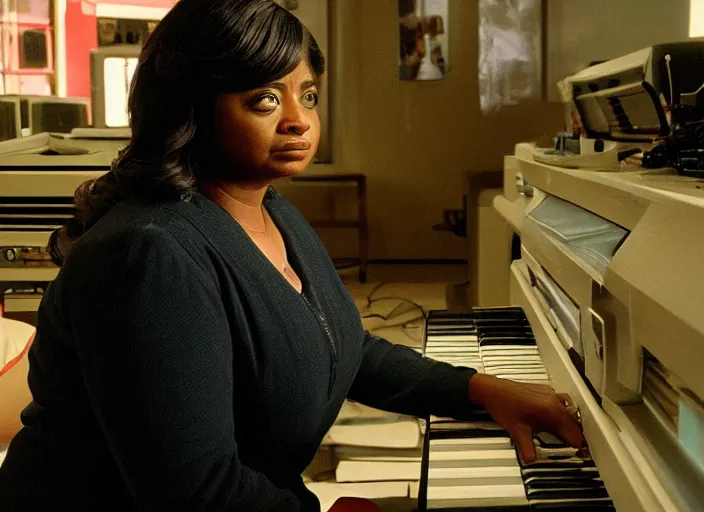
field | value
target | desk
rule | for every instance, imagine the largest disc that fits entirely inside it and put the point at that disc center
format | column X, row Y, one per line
column 360, row 223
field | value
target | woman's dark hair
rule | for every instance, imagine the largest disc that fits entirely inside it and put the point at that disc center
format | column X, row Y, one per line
column 202, row 48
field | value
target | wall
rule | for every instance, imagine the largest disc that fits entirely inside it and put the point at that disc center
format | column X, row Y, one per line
column 415, row 141
column 580, row 32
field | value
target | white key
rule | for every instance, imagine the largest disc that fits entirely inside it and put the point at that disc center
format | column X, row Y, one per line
column 459, row 337
column 475, row 492
column 448, row 350
column 473, row 455
column 468, row 441
column 459, row 344
column 495, row 472
column 517, row 371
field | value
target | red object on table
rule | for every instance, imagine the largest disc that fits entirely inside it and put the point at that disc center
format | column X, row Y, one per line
column 354, row 505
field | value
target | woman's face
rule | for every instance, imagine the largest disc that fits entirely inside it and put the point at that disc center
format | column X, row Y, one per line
column 270, row 132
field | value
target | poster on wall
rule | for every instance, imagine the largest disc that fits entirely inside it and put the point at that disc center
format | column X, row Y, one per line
column 423, row 39
column 510, row 64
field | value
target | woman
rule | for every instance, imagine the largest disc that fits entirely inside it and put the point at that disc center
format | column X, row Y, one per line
column 197, row 343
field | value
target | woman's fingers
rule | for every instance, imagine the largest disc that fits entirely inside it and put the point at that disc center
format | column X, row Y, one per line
column 522, row 437
column 567, row 425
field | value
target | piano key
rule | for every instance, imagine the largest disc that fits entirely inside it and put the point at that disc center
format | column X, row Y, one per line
column 449, row 341
column 559, row 480
column 526, row 379
column 502, row 361
column 508, row 349
column 548, row 440
column 457, row 429
column 568, row 493
column 470, row 441
column 497, row 310
column 449, row 350
column 583, row 473
column 530, row 372
column 452, row 329
column 483, row 455
column 452, row 337
column 574, row 462
column 595, row 505
column 438, row 473
column 563, row 482
column 527, row 366
column 481, row 481
column 476, row 492
column 505, row 341
column 509, row 360
column 508, row 330
column 511, row 354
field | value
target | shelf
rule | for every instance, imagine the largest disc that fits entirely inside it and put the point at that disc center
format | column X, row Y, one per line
column 28, row 275
column 628, row 487
column 21, row 303
column 24, row 238
column 44, row 183
column 621, row 197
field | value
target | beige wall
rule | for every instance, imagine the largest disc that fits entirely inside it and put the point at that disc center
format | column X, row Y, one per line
column 580, row 32
column 415, row 141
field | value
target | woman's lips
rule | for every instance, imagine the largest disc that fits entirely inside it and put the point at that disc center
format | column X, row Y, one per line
column 298, row 145
column 293, row 150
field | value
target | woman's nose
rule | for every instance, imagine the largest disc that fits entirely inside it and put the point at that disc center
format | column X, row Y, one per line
column 294, row 120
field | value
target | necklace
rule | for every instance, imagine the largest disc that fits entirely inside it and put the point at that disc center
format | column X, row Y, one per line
column 274, row 243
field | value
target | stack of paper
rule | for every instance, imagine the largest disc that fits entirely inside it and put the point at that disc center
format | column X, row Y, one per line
column 39, row 144
column 359, row 425
column 592, row 238
column 377, row 454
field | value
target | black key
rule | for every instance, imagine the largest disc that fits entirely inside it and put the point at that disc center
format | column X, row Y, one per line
column 601, row 505
column 452, row 328
column 577, row 473
column 440, row 315
column 547, row 440
column 500, row 322
column 564, row 494
column 468, row 433
column 509, row 332
column 536, row 482
column 573, row 462
column 506, row 341
column 491, row 313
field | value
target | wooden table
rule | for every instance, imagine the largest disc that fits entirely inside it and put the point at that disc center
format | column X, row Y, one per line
column 360, row 223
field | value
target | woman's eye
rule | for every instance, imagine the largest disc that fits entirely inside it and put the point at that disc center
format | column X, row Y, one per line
column 310, row 99
column 266, row 103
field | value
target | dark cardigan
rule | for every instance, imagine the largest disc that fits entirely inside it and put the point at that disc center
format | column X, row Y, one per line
column 176, row 369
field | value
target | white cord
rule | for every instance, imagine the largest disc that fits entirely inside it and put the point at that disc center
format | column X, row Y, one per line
column 668, row 58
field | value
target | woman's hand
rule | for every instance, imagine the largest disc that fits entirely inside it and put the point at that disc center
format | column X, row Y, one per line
column 524, row 410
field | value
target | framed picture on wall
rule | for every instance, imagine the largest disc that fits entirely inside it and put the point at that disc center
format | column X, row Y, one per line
column 423, row 47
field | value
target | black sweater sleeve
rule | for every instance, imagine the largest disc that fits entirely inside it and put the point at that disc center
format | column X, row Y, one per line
column 396, row 378
column 155, row 352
